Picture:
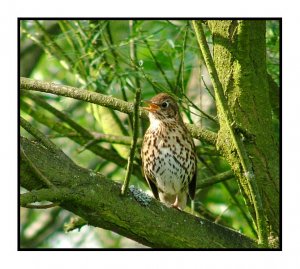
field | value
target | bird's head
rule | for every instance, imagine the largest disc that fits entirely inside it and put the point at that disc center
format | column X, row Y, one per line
column 163, row 107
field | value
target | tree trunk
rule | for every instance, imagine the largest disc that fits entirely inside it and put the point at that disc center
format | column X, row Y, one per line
column 239, row 53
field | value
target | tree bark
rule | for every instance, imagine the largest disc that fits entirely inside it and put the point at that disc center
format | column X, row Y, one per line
column 239, row 53
column 98, row 200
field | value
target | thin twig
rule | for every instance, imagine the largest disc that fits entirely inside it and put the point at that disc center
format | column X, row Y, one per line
column 206, row 88
column 159, row 66
column 36, row 170
column 208, row 182
column 134, row 140
column 54, row 46
column 38, row 135
column 181, row 65
column 133, row 54
column 114, row 139
column 241, row 208
column 157, row 87
column 31, row 206
column 53, row 195
column 200, row 110
column 74, row 223
column 61, row 115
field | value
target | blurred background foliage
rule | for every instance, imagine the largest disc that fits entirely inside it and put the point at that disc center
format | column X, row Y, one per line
column 114, row 57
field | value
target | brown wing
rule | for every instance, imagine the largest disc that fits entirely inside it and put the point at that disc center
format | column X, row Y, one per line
column 152, row 185
column 150, row 179
column 192, row 186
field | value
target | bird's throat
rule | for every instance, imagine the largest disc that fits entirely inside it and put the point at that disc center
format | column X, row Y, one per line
column 154, row 122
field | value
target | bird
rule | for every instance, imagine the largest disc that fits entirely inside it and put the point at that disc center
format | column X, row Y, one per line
column 168, row 153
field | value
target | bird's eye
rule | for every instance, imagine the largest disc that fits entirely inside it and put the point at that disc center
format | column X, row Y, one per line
column 165, row 104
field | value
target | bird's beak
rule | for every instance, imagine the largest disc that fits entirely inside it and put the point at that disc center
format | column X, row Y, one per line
column 151, row 106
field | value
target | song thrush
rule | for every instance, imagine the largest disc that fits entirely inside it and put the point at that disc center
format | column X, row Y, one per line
column 168, row 153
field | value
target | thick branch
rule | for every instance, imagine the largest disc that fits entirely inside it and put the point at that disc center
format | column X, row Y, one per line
column 98, row 201
column 104, row 100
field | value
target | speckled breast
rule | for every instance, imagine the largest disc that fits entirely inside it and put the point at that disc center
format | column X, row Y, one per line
column 170, row 159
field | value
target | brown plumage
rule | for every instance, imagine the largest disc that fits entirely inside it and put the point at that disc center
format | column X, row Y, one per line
column 168, row 153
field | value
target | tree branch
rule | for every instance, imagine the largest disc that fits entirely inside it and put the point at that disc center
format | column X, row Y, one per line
column 38, row 135
column 83, row 136
column 115, row 139
column 106, row 101
column 207, row 182
column 98, row 201
column 135, row 121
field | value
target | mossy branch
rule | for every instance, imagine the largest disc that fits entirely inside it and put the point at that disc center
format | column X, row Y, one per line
column 79, row 94
column 106, row 101
column 98, row 201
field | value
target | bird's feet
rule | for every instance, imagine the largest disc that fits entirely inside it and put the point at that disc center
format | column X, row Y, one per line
column 176, row 204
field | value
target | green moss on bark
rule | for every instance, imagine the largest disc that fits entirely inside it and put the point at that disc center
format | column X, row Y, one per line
column 240, row 58
column 99, row 201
